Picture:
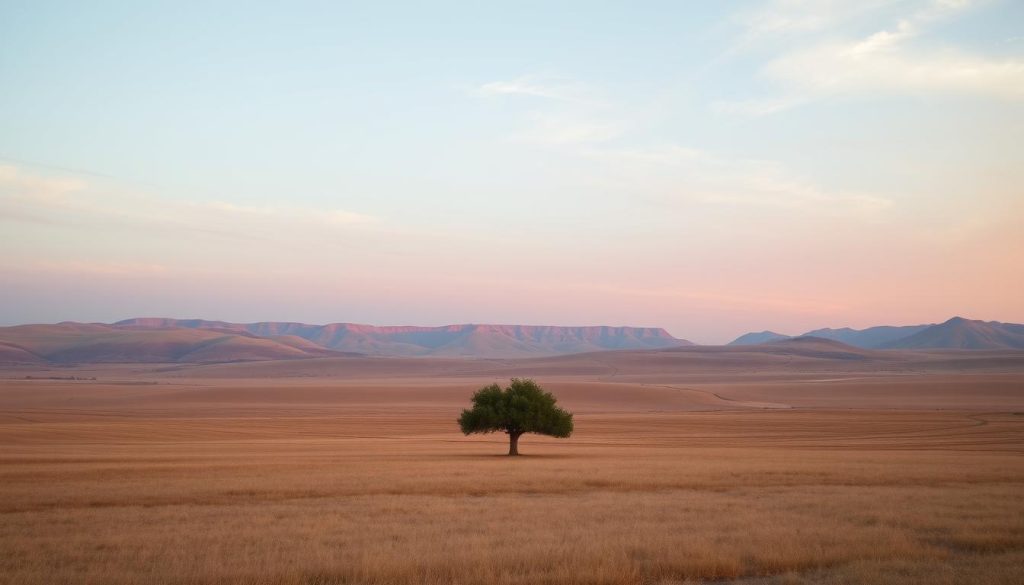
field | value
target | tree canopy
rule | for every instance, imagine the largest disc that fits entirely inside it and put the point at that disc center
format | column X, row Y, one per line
column 522, row 407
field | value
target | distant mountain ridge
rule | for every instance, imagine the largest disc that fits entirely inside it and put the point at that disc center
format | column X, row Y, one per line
column 161, row 340
column 99, row 343
column 758, row 338
column 872, row 337
column 464, row 340
column 956, row 333
column 960, row 333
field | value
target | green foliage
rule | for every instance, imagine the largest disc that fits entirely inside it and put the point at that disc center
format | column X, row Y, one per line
column 522, row 407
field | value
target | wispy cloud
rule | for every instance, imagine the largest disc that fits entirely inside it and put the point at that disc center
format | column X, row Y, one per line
column 16, row 183
column 880, row 65
column 757, row 107
column 536, row 86
column 820, row 60
column 771, row 184
column 788, row 19
column 673, row 174
column 74, row 202
column 670, row 173
column 569, row 113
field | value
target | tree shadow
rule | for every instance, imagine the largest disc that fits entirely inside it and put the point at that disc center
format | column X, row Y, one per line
column 490, row 456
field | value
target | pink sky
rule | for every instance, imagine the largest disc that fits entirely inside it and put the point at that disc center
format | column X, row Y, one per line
column 85, row 250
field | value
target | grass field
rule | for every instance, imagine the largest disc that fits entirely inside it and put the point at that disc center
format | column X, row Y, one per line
column 340, row 481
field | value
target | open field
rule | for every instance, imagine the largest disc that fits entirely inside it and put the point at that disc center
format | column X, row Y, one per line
column 788, row 470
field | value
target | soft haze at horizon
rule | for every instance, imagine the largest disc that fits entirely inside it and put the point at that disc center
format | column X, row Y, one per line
column 709, row 168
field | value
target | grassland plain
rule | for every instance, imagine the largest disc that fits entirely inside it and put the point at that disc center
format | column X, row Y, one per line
column 140, row 478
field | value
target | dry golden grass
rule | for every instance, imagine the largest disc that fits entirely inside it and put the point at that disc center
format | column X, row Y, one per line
column 103, row 483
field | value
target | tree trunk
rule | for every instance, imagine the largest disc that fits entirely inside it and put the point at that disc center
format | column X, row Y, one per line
column 513, row 443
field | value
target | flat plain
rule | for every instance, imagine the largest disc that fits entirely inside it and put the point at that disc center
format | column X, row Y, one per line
column 687, row 466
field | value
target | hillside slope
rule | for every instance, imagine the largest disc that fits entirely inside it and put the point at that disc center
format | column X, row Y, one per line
column 956, row 333
column 97, row 343
column 960, row 333
column 755, row 338
column 872, row 337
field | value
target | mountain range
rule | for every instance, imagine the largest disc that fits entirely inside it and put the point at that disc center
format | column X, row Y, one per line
column 161, row 340
column 199, row 341
column 101, row 343
column 956, row 333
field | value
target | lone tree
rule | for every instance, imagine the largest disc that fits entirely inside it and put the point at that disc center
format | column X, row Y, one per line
column 523, row 407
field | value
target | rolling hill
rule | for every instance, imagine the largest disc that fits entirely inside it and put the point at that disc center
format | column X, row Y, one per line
column 14, row 354
column 758, row 337
column 960, row 333
column 872, row 337
column 65, row 343
column 957, row 333
column 818, row 347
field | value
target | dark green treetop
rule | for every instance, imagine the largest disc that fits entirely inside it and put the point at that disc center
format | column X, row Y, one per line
column 522, row 407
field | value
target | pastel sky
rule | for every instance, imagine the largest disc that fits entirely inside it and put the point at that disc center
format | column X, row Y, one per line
column 708, row 167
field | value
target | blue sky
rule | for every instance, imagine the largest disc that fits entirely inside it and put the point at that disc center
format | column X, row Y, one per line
column 707, row 167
